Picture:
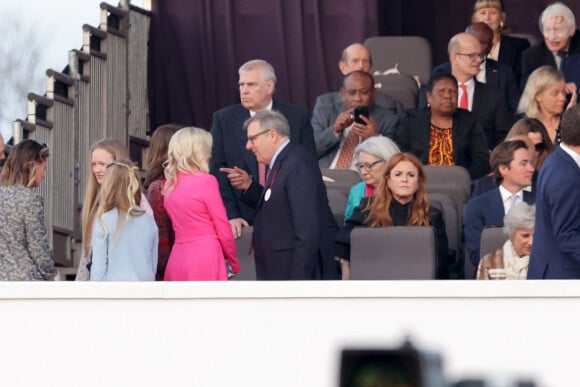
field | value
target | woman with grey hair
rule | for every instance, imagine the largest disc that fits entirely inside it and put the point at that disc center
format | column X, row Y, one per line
column 511, row 261
column 371, row 158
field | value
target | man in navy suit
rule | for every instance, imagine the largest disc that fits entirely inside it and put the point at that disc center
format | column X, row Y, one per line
column 257, row 83
column 513, row 168
column 561, row 40
column 486, row 103
column 491, row 72
column 556, row 247
column 293, row 228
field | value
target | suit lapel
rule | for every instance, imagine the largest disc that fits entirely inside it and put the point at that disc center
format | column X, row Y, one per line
column 476, row 97
column 496, row 209
column 273, row 174
column 241, row 115
column 491, row 75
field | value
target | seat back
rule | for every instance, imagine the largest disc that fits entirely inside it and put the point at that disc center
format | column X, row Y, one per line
column 453, row 229
column 533, row 39
column 402, row 87
column 453, row 180
column 342, row 179
column 492, row 238
column 337, row 200
column 411, row 55
column 392, row 253
column 246, row 259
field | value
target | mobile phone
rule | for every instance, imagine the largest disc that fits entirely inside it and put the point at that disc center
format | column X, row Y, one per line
column 360, row 111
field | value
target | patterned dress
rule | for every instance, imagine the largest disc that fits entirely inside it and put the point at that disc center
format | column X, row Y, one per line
column 166, row 234
column 441, row 146
column 24, row 251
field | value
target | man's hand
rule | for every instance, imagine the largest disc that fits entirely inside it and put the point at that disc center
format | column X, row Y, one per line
column 237, row 224
column 572, row 89
column 343, row 121
column 239, row 179
column 368, row 130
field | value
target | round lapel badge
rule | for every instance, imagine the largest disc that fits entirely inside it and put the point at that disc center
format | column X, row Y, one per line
column 267, row 194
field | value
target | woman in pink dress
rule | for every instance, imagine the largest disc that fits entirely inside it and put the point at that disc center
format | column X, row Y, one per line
column 203, row 236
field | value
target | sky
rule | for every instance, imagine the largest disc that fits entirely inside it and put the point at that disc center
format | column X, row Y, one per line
column 59, row 26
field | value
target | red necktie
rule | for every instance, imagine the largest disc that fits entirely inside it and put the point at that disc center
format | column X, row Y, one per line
column 463, row 102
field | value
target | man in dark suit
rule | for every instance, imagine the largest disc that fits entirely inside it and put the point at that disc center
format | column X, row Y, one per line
column 293, row 228
column 561, row 40
column 513, row 168
column 556, row 247
column 333, row 123
column 257, row 83
column 486, row 103
column 491, row 72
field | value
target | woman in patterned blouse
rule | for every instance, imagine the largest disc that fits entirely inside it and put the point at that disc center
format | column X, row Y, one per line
column 24, row 251
column 154, row 185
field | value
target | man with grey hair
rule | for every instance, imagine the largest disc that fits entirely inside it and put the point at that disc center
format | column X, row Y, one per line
column 257, row 83
column 561, row 41
column 556, row 247
column 293, row 227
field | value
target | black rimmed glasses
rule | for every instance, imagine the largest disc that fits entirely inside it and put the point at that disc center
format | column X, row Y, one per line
column 367, row 166
column 255, row 136
column 473, row 55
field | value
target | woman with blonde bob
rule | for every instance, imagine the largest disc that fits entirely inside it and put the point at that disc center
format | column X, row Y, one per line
column 124, row 237
column 544, row 98
column 102, row 153
column 24, row 251
column 400, row 200
column 203, row 236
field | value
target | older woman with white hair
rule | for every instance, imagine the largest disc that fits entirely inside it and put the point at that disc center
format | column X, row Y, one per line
column 511, row 261
column 371, row 158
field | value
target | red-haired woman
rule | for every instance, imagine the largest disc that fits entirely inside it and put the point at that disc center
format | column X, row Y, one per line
column 400, row 200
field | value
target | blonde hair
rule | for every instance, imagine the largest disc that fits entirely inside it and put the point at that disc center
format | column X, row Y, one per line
column 497, row 4
column 118, row 151
column 120, row 189
column 189, row 151
column 539, row 80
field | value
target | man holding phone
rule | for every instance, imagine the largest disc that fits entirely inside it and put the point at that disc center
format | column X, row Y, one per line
column 340, row 126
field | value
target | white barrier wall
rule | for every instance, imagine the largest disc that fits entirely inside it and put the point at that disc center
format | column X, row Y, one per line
column 280, row 334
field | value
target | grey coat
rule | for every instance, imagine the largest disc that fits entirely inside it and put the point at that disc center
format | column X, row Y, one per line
column 24, row 251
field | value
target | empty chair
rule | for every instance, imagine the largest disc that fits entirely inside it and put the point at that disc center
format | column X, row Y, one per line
column 389, row 253
column 411, row 55
column 245, row 258
column 337, row 199
column 452, row 180
column 402, row 87
column 342, row 179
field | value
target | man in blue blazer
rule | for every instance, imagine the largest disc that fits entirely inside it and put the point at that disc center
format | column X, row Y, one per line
column 257, row 83
column 556, row 247
column 294, row 228
column 513, row 168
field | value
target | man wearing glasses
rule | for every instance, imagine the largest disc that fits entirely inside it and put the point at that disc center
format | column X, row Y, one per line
column 293, row 228
column 486, row 103
column 257, row 83
column 560, row 48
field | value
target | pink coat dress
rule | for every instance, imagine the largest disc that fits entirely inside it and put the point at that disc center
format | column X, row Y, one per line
column 203, row 235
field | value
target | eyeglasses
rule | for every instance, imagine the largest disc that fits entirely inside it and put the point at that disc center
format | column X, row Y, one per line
column 255, row 136
column 367, row 166
column 473, row 55
column 540, row 146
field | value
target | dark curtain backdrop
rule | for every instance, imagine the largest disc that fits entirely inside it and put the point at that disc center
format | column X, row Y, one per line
column 197, row 46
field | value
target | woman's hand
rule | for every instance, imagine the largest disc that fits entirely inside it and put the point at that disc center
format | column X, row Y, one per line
column 572, row 89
